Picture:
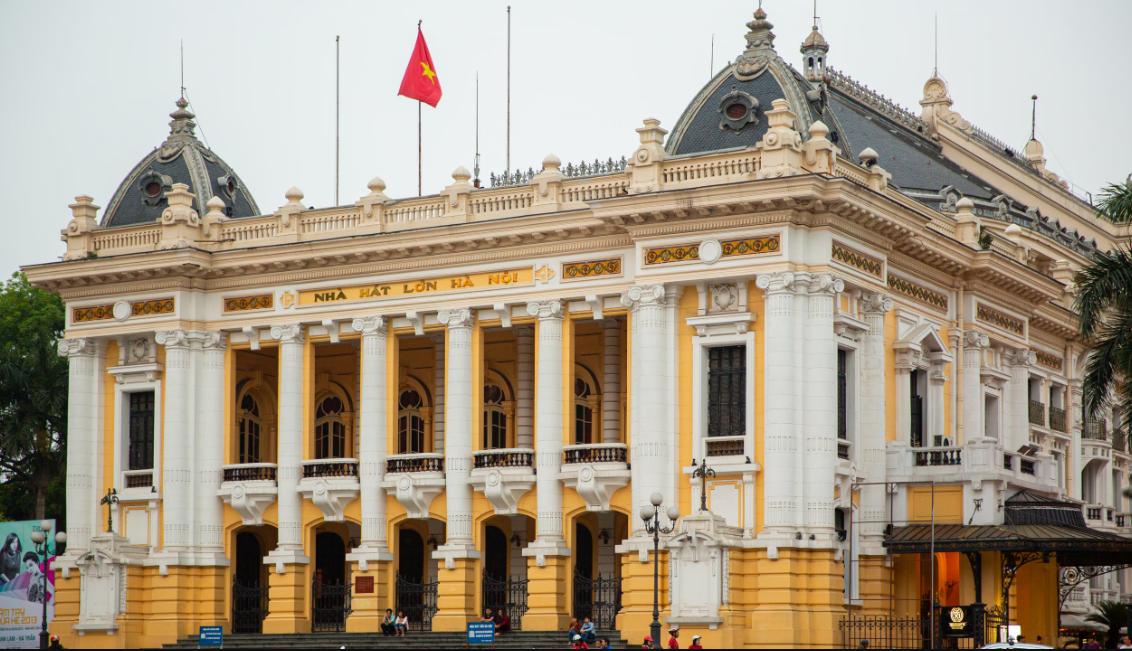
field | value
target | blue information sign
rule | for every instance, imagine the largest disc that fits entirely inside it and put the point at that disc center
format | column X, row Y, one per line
column 211, row 636
column 481, row 632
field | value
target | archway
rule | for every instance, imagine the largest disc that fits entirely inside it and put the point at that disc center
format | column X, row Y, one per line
column 249, row 580
column 416, row 571
column 597, row 571
column 330, row 591
column 583, row 571
column 494, row 594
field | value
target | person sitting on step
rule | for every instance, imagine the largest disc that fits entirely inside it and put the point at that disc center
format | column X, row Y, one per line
column 588, row 630
column 402, row 623
column 502, row 622
column 389, row 623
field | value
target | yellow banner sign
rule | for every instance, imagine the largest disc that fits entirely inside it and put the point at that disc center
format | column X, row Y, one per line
column 381, row 291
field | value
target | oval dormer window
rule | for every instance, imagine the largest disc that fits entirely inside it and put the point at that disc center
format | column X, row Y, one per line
column 737, row 110
column 152, row 189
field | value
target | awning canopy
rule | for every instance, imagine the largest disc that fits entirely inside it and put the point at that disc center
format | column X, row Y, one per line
column 1032, row 523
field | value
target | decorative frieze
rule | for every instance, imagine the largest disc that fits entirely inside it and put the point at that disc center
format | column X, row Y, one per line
column 859, row 261
column 690, row 251
column 1049, row 360
column 152, row 307
column 248, row 303
column 122, row 310
column 1002, row 320
column 591, row 269
column 917, row 292
column 92, row 313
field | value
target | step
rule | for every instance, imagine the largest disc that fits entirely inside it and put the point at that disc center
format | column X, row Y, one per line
column 421, row 640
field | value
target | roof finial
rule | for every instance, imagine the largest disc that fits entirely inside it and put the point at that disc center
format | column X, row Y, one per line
column 182, row 67
column 935, row 45
column 1033, row 116
column 815, row 14
column 760, row 47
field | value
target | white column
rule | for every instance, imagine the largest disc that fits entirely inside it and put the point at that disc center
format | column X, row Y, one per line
column 82, row 440
column 548, row 430
column 458, row 438
column 1018, row 399
column 821, row 408
column 670, row 345
column 801, row 405
column 780, row 446
column 177, row 441
column 1073, row 424
column 611, row 381
column 871, row 437
column 438, row 406
column 372, row 432
column 973, row 345
column 906, row 360
column 525, row 389
column 649, row 383
column 937, row 376
column 289, row 548
column 209, row 446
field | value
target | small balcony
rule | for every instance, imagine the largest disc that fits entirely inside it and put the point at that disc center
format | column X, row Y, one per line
column 1120, row 441
column 138, row 478
column 1094, row 430
column 725, row 446
column 415, row 479
column 596, row 471
column 938, row 456
column 1057, row 419
column 249, row 488
column 1094, row 514
column 503, row 475
column 331, row 484
column 1037, row 413
column 844, row 449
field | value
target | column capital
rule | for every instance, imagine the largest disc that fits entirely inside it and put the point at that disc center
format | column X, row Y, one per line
column 908, row 358
column 780, row 282
column 174, row 338
column 458, row 318
column 83, row 347
column 290, row 333
column 369, row 325
column 827, row 284
column 875, row 303
column 213, row 340
column 1020, row 357
column 975, row 339
column 551, row 309
column 639, row 296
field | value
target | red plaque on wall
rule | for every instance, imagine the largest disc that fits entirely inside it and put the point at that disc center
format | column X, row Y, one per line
column 363, row 585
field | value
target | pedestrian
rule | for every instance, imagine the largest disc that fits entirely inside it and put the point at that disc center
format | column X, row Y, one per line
column 695, row 643
column 1125, row 642
column 673, row 635
column 647, row 643
column 389, row 623
column 578, row 642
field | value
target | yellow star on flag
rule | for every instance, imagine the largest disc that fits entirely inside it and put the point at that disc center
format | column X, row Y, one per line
column 426, row 71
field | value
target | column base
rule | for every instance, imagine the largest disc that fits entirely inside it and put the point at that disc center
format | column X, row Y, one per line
column 547, row 609
column 456, row 591
column 368, row 608
column 287, row 597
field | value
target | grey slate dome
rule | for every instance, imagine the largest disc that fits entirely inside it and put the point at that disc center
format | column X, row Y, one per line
column 140, row 198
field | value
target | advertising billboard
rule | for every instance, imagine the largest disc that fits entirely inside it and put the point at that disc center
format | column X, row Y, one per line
column 22, row 592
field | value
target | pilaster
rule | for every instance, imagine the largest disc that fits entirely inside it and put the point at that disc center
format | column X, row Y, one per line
column 547, row 608
column 871, row 438
column 974, row 343
column 82, row 440
column 177, row 450
column 455, row 594
column 525, row 389
column 209, row 449
column 288, row 590
column 1018, row 400
column 611, row 381
column 368, row 608
column 821, row 403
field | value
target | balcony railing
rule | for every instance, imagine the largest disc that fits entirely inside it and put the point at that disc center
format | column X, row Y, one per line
column 1123, row 519
column 724, row 446
column 942, row 456
column 1007, row 461
column 419, row 462
column 330, row 468
column 1057, row 419
column 1037, row 413
column 504, row 458
column 844, row 449
column 1120, row 441
column 250, row 472
column 138, row 478
column 596, row 453
column 1026, row 466
column 1096, row 430
column 1093, row 512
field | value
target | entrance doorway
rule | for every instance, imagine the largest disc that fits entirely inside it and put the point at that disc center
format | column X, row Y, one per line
column 597, row 584
column 416, row 593
column 330, row 592
column 249, row 585
column 504, row 586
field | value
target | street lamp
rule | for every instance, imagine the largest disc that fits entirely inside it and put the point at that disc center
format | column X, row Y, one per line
column 43, row 549
column 651, row 516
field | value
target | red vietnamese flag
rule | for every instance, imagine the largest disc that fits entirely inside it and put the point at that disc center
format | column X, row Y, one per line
column 420, row 81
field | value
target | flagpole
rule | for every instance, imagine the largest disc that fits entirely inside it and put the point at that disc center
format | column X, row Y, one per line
column 420, row 149
column 337, row 111
column 508, row 88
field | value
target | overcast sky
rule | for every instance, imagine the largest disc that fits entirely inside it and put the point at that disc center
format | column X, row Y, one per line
column 86, row 87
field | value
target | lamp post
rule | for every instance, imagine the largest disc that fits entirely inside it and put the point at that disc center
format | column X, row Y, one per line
column 651, row 516
column 43, row 549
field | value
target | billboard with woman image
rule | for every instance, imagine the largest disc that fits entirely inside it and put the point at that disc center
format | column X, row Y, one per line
column 22, row 592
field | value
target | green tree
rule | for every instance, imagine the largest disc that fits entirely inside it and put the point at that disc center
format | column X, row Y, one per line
column 33, row 402
column 1112, row 614
column 1104, row 303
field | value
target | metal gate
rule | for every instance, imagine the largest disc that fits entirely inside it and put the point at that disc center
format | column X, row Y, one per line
column 599, row 599
column 509, row 595
column 249, row 607
column 330, row 603
column 417, row 601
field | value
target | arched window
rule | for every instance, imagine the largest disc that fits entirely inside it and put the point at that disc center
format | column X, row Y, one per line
column 250, row 427
column 494, row 417
column 330, row 428
column 586, row 401
column 410, row 422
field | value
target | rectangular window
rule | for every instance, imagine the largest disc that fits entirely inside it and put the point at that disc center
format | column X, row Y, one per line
column 917, row 408
column 727, row 391
column 141, row 430
column 842, row 394
column 990, row 416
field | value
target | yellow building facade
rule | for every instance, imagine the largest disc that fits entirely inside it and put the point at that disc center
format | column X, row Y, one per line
column 860, row 317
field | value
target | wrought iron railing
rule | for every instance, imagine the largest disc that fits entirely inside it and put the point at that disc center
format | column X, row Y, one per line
column 724, row 446
column 418, row 601
column 596, row 453
column 330, row 605
column 330, row 468
column 940, row 456
column 1120, row 441
column 427, row 462
column 509, row 178
column 844, row 449
column 504, row 458
column 250, row 472
column 1094, row 429
column 1037, row 413
column 138, row 478
column 507, row 594
column 249, row 607
column 1057, row 419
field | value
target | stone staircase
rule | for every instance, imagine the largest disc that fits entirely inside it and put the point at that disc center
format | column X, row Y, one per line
column 431, row 641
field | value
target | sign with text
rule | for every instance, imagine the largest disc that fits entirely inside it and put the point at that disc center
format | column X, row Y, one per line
column 481, row 632
column 22, row 588
column 956, row 621
column 363, row 585
column 414, row 287
column 211, row 636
